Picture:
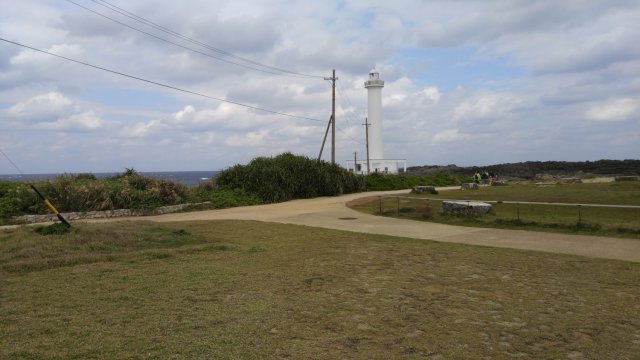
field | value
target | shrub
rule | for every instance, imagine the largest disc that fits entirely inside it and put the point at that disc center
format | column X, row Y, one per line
column 385, row 182
column 86, row 176
column 53, row 229
column 67, row 192
column 287, row 177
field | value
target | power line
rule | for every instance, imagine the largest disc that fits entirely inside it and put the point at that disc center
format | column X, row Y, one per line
column 12, row 163
column 161, row 84
column 348, row 136
column 346, row 117
column 184, row 37
column 149, row 23
column 179, row 45
column 346, row 96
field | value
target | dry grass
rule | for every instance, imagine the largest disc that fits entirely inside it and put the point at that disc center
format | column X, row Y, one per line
column 249, row 290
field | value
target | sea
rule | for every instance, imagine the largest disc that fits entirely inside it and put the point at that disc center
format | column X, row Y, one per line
column 189, row 178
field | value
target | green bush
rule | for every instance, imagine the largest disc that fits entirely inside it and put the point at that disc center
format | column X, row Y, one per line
column 287, row 177
column 53, row 229
column 83, row 192
column 16, row 198
column 385, row 182
column 224, row 198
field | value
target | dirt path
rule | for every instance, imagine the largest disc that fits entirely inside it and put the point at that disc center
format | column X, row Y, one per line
column 332, row 213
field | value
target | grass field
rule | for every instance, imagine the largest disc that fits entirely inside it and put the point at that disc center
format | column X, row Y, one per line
column 250, row 290
column 586, row 220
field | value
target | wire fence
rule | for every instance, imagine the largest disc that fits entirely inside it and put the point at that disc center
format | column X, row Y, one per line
column 614, row 216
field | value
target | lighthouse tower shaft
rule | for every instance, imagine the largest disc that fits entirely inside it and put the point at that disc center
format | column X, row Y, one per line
column 374, row 109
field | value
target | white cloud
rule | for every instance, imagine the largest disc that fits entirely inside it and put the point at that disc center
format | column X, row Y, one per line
column 42, row 106
column 142, row 129
column 53, row 112
column 452, row 70
column 432, row 93
column 28, row 57
column 613, row 110
column 478, row 108
column 449, row 135
column 250, row 139
column 77, row 122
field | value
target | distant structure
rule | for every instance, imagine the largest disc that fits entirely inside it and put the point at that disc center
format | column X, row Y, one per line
column 377, row 162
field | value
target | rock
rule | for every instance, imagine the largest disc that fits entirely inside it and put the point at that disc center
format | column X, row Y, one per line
column 423, row 189
column 465, row 207
column 570, row 181
column 469, row 186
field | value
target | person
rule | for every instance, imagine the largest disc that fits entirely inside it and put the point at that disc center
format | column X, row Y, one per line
column 476, row 177
column 484, row 177
column 492, row 177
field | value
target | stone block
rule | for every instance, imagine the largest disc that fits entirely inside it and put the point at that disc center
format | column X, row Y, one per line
column 469, row 186
column 465, row 207
column 420, row 189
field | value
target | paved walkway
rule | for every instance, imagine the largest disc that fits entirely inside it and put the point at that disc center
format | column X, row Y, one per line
column 332, row 213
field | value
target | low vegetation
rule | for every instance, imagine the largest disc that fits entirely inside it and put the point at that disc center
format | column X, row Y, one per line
column 287, row 177
column 83, row 192
column 619, row 222
column 263, row 180
column 250, row 290
column 530, row 169
column 384, row 182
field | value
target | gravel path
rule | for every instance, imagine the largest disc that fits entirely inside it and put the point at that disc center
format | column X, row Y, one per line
column 332, row 213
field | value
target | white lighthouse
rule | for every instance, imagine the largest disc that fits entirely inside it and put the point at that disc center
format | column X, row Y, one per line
column 374, row 113
column 377, row 162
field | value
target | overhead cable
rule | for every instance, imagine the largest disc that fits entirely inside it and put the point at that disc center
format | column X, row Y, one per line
column 149, row 23
column 184, row 37
column 161, row 84
column 179, row 45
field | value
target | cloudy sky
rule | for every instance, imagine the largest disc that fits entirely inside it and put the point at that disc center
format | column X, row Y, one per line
column 466, row 82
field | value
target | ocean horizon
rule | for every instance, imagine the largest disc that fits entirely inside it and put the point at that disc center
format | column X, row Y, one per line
column 190, row 178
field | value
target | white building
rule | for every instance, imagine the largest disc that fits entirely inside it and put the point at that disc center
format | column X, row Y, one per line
column 377, row 162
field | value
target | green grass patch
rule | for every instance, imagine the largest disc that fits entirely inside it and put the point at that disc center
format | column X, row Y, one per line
column 618, row 222
column 53, row 229
column 298, row 292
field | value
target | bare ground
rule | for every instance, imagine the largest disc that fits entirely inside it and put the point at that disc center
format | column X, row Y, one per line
column 332, row 213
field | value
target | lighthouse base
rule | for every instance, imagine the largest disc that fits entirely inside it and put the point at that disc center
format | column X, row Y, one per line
column 382, row 166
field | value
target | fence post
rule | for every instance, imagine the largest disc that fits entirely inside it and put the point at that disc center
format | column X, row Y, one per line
column 579, row 215
column 380, row 198
column 398, row 208
column 518, row 210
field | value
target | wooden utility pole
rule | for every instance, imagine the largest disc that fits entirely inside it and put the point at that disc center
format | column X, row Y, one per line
column 333, row 115
column 366, row 131
column 325, row 139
